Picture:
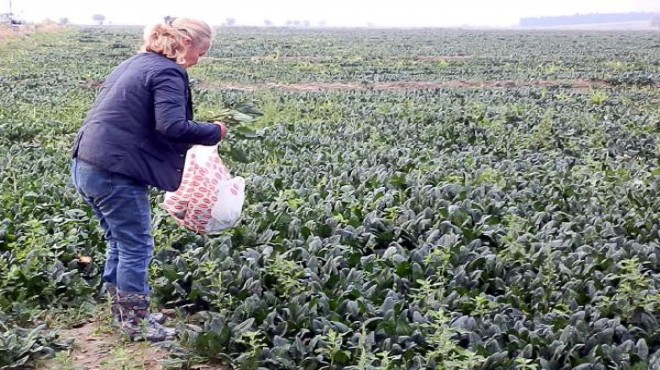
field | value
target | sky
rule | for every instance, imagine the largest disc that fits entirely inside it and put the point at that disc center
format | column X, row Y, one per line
column 383, row 13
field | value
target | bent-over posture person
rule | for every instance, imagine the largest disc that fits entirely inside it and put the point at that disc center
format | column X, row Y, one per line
column 136, row 136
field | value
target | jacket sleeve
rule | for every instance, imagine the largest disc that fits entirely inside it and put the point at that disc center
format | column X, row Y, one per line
column 168, row 87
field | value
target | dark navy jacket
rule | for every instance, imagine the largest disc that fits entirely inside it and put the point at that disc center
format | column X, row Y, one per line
column 141, row 123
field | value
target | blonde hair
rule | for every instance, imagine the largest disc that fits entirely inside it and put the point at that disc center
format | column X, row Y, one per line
column 167, row 38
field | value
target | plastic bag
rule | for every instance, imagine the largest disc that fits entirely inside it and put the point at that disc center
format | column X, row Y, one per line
column 227, row 210
column 203, row 191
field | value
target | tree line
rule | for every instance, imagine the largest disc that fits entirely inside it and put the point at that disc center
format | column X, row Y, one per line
column 596, row 18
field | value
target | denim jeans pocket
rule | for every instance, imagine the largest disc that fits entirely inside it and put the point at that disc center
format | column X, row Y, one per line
column 91, row 181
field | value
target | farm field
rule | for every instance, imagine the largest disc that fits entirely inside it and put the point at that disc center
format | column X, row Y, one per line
column 416, row 199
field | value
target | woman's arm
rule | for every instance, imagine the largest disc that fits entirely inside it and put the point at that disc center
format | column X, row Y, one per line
column 168, row 88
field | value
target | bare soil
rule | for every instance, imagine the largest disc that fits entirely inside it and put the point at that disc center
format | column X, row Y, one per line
column 18, row 31
column 318, row 59
column 7, row 32
column 97, row 348
column 405, row 85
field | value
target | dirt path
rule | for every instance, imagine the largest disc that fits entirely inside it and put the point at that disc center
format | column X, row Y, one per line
column 317, row 59
column 18, row 31
column 404, row 85
column 98, row 348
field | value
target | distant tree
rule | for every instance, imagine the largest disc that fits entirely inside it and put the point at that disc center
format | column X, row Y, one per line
column 99, row 18
column 584, row 19
column 230, row 22
column 268, row 23
column 289, row 23
column 656, row 21
column 64, row 21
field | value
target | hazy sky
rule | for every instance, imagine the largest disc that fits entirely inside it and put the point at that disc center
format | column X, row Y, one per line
column 333, row 12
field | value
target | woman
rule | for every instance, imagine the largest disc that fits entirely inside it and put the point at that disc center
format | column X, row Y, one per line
column 135, row 136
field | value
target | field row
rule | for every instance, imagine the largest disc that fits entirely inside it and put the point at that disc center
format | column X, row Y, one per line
column 495, row 210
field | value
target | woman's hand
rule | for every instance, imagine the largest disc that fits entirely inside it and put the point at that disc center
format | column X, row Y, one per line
column 223, row 129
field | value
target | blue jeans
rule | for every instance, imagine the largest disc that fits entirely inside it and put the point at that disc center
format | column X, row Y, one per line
column 123, row 208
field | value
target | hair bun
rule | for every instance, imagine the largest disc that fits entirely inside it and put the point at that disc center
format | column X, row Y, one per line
column 168, row 20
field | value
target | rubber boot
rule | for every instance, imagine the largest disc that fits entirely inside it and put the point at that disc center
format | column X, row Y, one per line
column 134, row 320
column 111, row 289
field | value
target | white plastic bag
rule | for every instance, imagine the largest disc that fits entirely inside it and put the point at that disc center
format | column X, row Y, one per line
column 203, row 189
column 227, row 210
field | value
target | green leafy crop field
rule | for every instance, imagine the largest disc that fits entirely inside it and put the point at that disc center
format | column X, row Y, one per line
column 416, row 199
